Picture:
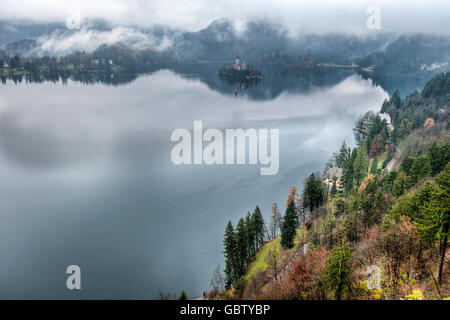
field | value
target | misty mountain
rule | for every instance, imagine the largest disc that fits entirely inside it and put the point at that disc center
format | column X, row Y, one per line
column 219, row 40
column 24, row 47
column 57, row 40
column 14, row 31
column 260, row 39
column 410, row 54
column 222, row 40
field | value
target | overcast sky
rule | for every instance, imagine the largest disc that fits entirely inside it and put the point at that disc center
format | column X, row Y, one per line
column 429, row 16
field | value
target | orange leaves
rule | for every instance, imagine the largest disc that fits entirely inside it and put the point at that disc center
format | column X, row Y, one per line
column 293, row 195
column 365, row 182
column 429, row 123
column 307, row 275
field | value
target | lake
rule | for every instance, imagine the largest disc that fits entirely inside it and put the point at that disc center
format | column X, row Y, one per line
column 87, row 178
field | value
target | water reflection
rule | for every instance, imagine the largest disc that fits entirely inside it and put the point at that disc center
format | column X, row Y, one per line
column 278, row 78
column 87, row 177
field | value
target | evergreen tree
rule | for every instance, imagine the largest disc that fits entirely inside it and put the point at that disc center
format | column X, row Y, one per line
column 436, row 215
column 337, row 270
column 241, row 248
column 313, row 192
column 182, row 296
column 407, row 164
column 229, row 244
column 400, row 184
column 342, row 155
column 250, row 228
column 360, row 165
column 259, row 229
column 420, row 168
column 374, row 167
column 442, row 210
column 289, row 226
column 348, row 172
column 439, row 156
column 396, row 100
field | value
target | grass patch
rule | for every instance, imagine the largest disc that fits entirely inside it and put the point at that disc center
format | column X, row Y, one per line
column 381, row 160
column 264, row 256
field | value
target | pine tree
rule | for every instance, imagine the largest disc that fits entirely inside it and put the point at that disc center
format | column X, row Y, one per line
column 420, row 168
column 374, row 167
column 251, row 250
column 289, row 226
column 442, row 205
column 435, row 223
column 229, row 244
column 337, row 271
column 182, row 296
column 259, row 229
column 348, row 172
column 241, row 248
column 360, row 165
column 313, row 192
column 342, row 155
column 439, row 157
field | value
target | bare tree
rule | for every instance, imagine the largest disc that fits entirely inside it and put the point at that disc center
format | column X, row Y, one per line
column 217, row 281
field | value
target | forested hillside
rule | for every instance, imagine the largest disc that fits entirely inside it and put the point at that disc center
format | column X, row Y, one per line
column 373, row 225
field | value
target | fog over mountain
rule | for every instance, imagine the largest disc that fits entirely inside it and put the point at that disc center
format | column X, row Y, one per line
column 37, row 39
column 219, row 40
column 198, row 31
column 300, row 16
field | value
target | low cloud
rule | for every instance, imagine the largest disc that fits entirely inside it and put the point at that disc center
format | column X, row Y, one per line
column 61, row 43
column 305, row 16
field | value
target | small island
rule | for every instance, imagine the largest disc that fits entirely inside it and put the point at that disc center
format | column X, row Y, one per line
column 240, row 71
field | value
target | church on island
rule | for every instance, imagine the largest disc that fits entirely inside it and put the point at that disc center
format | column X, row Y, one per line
column 240, row 65
column 240, row 71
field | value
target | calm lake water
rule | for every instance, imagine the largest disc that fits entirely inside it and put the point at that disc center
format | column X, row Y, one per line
column 87, row 179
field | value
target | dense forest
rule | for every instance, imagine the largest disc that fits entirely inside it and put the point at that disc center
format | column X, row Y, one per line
column 373, row 225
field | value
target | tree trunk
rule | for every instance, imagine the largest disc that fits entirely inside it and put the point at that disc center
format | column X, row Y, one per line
column 443, row 247
column 419, row 253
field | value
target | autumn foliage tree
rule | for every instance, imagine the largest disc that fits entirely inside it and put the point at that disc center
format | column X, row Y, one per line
column 308, row 275
column 292, row 196
column 399, row 243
